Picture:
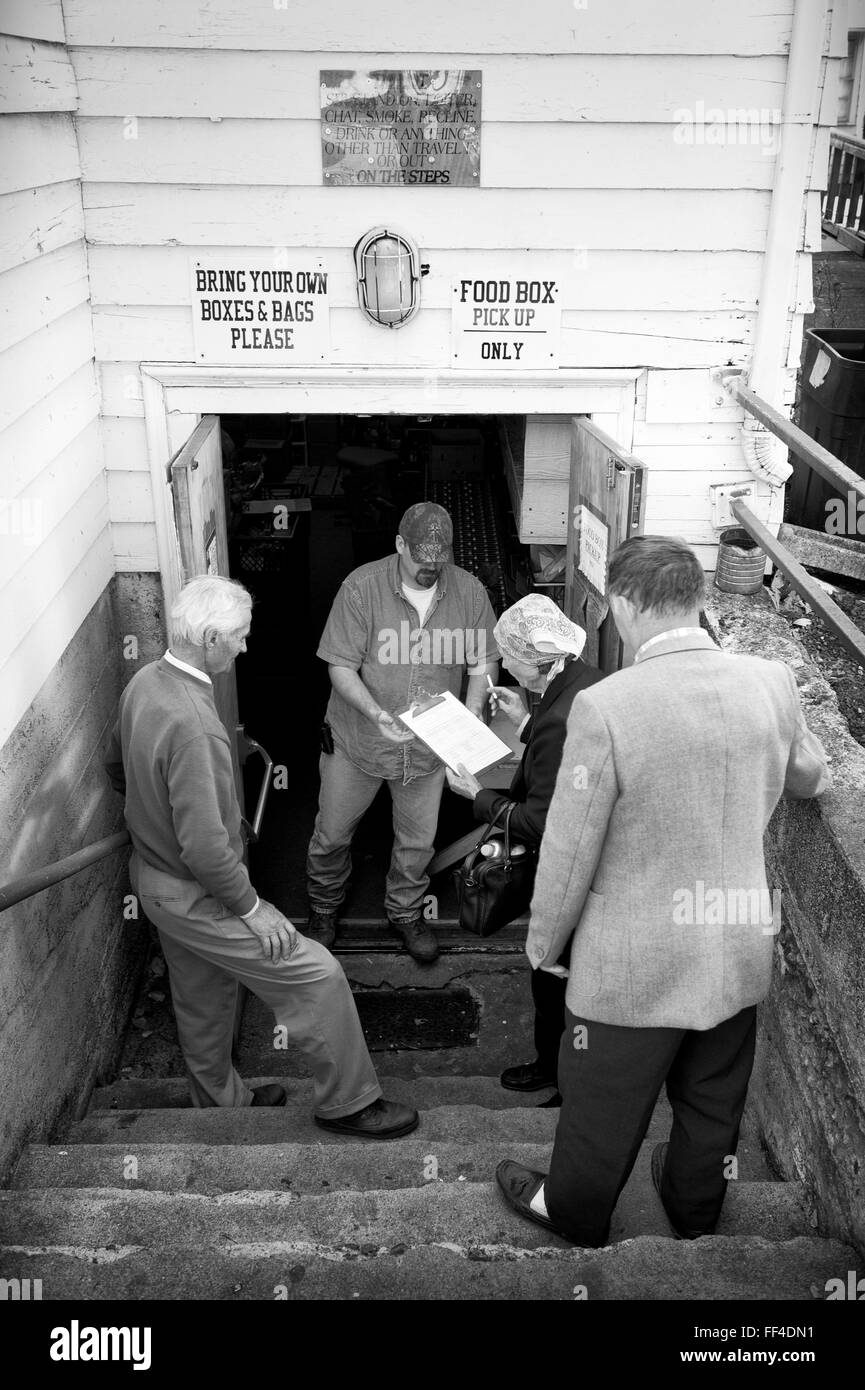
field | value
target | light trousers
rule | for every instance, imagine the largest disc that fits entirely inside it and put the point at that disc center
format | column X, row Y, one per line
column 346, row 793
column 209, row 951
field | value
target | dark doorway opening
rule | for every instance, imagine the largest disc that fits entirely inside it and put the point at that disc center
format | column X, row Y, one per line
column 344, row 482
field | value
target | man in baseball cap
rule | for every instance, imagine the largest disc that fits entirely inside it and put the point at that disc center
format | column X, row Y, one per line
column 401, row 629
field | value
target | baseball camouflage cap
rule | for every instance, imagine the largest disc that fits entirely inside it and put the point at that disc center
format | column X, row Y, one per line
column 428, row 532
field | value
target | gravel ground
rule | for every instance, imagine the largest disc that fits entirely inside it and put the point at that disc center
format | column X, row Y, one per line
column 836, row 665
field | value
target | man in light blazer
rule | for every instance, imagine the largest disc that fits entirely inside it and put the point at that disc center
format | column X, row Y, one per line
column 652, row 859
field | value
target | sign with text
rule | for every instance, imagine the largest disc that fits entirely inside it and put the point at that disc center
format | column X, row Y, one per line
column 253, row 308
column 510, row 317
column 394, row 127
column 594, row 542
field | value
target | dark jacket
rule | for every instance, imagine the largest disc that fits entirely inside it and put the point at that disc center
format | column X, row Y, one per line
column 544, row 736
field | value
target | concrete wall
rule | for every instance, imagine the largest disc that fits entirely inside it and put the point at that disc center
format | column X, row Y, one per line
column 809, row 1083
column 69, row 959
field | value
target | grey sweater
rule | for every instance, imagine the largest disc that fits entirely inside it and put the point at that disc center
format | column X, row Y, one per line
column 170, row 754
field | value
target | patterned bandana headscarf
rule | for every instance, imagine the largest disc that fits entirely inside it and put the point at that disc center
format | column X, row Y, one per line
column 534, row 628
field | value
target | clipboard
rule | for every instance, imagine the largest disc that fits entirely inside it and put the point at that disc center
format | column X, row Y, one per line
column 454, row 734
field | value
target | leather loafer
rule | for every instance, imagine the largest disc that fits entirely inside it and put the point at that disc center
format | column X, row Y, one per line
column 268, row 1095
column 321, row 927
column 532, row 1076
column 383, row 1119
column 419, row 941
column 519, row 1185
column 659, row 1159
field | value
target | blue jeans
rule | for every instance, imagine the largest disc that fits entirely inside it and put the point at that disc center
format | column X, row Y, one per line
column 346, row 793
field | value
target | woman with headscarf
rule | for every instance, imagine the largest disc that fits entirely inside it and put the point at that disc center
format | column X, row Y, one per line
column 541, row 649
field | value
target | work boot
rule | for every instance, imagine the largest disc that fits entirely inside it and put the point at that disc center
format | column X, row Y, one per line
column 419, row 940
column 321, row 927
column 268, row 1095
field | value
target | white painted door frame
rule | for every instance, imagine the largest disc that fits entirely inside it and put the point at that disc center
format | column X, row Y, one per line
column 177, row 395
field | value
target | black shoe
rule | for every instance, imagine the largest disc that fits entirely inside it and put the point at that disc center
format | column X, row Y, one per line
column 383, row 1119
column 321, row 927
column 519, row 1186
column 532, row 1076
column 659, row 1159
column 554, row 1103
column 268, row 1095
column 419, row 941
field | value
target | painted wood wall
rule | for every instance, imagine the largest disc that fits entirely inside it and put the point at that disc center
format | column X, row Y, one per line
column 198, row 127
column 55, row 546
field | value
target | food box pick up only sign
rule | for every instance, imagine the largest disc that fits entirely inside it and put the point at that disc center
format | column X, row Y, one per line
column 507, row 317
column 248, row 308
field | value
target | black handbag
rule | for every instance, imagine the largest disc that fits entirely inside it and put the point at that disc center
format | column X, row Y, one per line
column 492, row 891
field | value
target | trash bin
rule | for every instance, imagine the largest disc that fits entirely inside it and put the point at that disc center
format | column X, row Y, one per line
column 741, row 562
column 831, row 411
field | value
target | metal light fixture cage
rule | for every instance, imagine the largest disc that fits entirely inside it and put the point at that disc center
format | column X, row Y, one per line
column 388, row 277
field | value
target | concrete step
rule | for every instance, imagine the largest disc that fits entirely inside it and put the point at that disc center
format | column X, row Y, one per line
column 298, row 1167
column 293, row 1123
column 440, row 1099
column 741, row 1268
column 425, row 1092
column 462, row 1212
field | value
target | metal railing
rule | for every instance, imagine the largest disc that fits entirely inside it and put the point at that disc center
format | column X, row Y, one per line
column 844, row 200
column 39, row 879
column 829, row 467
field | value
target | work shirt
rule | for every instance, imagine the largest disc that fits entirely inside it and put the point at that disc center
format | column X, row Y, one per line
column 374, row 630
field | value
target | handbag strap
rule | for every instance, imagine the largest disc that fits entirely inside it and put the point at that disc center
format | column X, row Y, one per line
column 506, row 811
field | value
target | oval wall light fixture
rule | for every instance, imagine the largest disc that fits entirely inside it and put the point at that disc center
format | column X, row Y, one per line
column 389, row 272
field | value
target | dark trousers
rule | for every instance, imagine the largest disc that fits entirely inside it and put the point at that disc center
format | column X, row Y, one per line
column 610, row 1078
column 548, row 993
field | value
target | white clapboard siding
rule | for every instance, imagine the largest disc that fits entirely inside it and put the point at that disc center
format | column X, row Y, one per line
column 621, row 338
column 687, row 397
column 134, row 546
column 33, row 19
column 37, row 76
column 47, row 429
column 37, row 150
column 120, row 389
column 547, row 26
column 535, row 156
column 41, row 580
column 282, row 85
column 650, row 219
column 31, row 369
column 38, row 220
column 41, row 508
column 124, row 444
column 34, row 294
column 130, row 497
column 597, row 279
column 693, row 459
column 29, row 666
column 600, row 279
column 685, row 436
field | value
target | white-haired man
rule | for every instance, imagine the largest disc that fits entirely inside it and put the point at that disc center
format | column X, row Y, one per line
column 170, row 754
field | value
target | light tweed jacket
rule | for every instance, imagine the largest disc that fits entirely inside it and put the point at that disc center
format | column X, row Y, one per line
column 653, row 851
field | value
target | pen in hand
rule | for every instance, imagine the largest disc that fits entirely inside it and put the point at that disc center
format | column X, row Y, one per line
column 494, row 701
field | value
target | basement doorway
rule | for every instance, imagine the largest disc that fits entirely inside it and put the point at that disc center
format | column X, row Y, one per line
column 343, row 482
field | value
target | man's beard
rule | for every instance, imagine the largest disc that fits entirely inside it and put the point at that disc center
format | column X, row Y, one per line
column 426, row 578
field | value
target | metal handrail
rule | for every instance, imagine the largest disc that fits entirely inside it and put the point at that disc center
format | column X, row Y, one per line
column 46, row 877
column 829, row 467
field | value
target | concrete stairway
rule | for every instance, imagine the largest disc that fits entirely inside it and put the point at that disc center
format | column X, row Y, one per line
column 148, row 1198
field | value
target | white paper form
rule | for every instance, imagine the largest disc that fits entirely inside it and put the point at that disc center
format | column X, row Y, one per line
column 455, row 734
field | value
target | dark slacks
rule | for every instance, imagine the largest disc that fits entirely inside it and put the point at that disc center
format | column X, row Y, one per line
column 610, row 1078
column 548, row 994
